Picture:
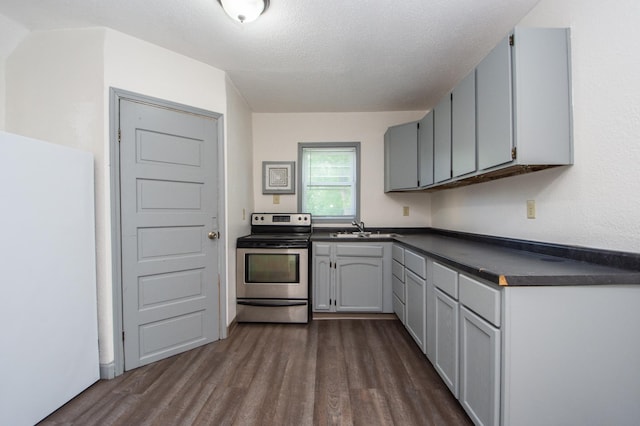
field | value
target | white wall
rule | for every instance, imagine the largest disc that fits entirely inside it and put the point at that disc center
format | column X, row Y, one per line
column 276, row 138
column 11, row 33
column 54, row 93
column 239, row 183
column 593, row 203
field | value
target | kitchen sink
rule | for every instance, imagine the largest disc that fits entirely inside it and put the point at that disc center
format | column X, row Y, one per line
column 370, row 235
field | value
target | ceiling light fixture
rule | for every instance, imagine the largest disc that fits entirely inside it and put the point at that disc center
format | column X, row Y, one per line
column 244, row 10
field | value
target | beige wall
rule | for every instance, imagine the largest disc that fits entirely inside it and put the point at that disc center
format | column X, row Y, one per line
column 276, row 138
column 592, row 203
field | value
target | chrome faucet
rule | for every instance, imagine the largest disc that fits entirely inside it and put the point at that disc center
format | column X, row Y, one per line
column 360, row 225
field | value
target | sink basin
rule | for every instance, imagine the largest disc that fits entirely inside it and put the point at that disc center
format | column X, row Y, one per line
column 371, row 235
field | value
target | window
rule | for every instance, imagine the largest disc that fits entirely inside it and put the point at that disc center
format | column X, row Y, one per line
column 329, row 181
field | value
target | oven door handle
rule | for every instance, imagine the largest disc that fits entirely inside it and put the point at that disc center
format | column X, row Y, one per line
column 272, row 303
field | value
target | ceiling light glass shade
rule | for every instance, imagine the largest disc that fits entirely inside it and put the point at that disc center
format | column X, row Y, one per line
column 244, row 10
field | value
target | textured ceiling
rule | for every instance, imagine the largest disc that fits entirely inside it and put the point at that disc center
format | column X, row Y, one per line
column 308, row 55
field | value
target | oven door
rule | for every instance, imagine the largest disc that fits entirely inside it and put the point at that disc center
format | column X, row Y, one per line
column 272, row 273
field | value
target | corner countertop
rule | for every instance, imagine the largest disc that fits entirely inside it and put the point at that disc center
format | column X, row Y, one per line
column 508, row 266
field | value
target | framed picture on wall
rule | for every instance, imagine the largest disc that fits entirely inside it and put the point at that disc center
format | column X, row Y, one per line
column 278, row 177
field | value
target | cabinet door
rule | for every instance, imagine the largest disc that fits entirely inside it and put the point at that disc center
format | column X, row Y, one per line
column 359, row 284
column 415, row 307
column 446, row 351
column 463, row 128
column 430, row 304
column 494, row 107
column 442, row 140
column 321, row 283
column 479, row 369
column 402, row 151
column 425, row 151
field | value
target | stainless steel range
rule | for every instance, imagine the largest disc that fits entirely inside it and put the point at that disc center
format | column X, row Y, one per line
column 272, row 269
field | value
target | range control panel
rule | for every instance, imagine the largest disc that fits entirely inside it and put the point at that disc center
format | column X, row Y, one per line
column 284, row 219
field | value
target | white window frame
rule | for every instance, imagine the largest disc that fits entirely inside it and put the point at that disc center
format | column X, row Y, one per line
column 302, row 187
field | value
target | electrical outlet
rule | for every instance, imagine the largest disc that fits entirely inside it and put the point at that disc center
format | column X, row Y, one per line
column 531, row 209
column 405, row 210
column 276, row 198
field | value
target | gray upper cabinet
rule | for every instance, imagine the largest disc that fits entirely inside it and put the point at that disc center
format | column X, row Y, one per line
column 401, row 162
column 511, row 115
column 425, row 150
column 524, row 101
column 442, row 140
column 463, row 132
column 495, row 132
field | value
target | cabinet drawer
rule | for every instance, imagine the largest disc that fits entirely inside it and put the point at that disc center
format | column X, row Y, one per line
column 398, row 308
column 398, row 288
column 445, row 279
column 321, row 249
column 397, row 270
column 480, row 298
column 397, row 254
column 359, row 250
column 415, row 263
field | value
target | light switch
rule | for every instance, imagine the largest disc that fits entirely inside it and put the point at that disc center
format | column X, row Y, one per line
column 405, row 210
column 276, row 198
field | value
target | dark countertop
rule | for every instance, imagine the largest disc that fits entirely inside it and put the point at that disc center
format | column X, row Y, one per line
column 508, row 266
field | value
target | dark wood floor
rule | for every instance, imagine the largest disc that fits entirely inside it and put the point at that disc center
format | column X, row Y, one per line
column 360, row 372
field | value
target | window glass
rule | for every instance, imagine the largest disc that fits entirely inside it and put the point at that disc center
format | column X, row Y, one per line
column 265, row 268
column 329, row 187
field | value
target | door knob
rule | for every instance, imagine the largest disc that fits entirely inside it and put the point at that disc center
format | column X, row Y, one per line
column 213, row 235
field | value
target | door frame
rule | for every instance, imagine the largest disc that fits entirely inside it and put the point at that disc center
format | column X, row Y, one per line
column 115, row 95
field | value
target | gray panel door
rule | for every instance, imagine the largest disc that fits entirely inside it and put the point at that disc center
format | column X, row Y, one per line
column 168, row 162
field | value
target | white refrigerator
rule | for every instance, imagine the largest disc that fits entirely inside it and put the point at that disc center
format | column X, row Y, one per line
column 48, row 309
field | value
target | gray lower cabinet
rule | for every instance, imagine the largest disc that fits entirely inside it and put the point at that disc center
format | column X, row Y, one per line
column 351, row 277
column 479, row 368
column 446, row 339
column 480, row 350
column 415, row 269
column 446, row 361
column 398, row 282
column 416, row 307
column 322, row 279
column 358, row 284
column 430, row 304
column 529, row 355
